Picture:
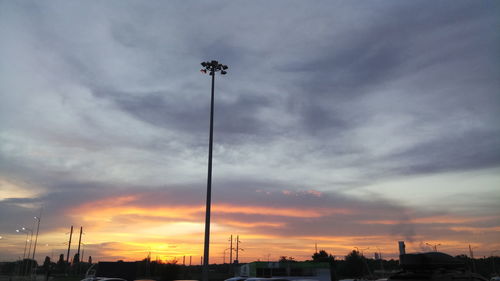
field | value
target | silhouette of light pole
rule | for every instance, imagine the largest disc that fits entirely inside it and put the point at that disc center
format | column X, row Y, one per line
column 28, row 262
column 211, row 68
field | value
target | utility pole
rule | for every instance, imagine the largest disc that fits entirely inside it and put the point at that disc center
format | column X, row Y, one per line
column 231, row 250
column 69, row 244
column 79, row 243
column 190, row 259
column 237, row 248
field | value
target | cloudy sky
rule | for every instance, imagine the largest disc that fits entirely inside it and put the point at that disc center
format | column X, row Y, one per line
column 342, row 123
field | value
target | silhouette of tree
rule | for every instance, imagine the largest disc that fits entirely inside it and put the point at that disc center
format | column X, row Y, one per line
column 61, row 264
column 353, row 265
column 76, row 258
column 286, row 259
column 323, row 256
column 46, row 262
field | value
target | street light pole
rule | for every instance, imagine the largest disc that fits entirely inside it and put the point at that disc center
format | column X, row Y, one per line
column 210, row 67
column 28, row 262
column 36, row 237
column 25, row 243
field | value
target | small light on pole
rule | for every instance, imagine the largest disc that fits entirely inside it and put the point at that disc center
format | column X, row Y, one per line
column 210, row 67
column 27, row 239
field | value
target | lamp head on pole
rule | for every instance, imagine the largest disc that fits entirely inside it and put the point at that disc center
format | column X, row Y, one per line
column 213, row 66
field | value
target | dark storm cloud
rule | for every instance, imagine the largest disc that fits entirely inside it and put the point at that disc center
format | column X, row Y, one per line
column 391, row 48
column 233, row 117
column 476, row 150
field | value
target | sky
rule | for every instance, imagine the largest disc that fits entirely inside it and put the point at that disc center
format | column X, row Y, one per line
column 340, row 124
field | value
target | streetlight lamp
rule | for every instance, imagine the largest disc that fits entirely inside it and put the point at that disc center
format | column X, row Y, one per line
column 26, row 240
column 210, row 68
column 27, row 231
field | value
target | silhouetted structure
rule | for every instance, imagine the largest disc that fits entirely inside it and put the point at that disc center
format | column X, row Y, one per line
column 433, row 266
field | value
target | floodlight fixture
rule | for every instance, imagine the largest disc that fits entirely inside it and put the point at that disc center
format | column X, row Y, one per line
column 211, row 67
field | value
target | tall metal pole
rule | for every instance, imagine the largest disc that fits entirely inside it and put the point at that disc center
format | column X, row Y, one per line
column 31, row 241
column 69, row 244
column 212, row 67
column 231, row 251
column 79, row 243
column 25, row 243
column 209, row 185
column 29, row 251
column 34, row 246
column 37, row 229
column 237, row 248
